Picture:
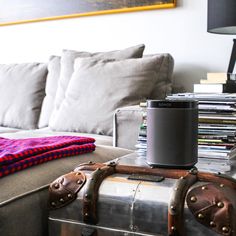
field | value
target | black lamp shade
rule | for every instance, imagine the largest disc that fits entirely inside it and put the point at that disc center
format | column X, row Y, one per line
column 221, row 16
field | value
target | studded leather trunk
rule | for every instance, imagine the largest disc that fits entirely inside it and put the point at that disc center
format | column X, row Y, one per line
column 130, row 198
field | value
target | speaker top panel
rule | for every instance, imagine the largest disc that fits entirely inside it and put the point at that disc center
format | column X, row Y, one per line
column 172, row 104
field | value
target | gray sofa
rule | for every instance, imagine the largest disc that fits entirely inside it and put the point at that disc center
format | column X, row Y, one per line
column 72, row 95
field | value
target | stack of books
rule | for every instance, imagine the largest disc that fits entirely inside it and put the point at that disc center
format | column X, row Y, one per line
column 214, row 78
column 141, row 146
column 216, row 83
column 217, row 124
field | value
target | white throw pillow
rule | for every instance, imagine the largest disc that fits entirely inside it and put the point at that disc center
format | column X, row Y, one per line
column 22, row 89
column 54, row 68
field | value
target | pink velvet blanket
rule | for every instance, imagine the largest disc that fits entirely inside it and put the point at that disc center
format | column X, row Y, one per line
column 18, row 154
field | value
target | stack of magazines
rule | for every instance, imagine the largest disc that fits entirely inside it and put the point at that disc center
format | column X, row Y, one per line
column 217, row 124
column 141, row 146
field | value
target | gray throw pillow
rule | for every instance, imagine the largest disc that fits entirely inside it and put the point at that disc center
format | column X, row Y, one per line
column 22, row 89
column 67, row 66
column 54, row 67
column 98, row 87
column 164, row 81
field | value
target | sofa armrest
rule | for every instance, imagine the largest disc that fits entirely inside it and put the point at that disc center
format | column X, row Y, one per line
column 127, row 121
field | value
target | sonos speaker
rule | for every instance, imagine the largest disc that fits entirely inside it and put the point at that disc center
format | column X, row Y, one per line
column 172, row 133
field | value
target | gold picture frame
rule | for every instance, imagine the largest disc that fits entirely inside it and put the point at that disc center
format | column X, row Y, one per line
column 12, row 12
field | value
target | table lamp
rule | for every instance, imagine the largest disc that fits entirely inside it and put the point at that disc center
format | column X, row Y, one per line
column 222, row 20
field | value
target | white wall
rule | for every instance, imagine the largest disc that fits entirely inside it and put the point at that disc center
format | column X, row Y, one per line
column 180, row 31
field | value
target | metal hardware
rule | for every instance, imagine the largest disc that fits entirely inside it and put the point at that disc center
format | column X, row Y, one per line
column 200, row 216
column 150, row 178
column 212, row 224
column 225, row 229
column 193, row 199
column 56, row 185
column 220, row 204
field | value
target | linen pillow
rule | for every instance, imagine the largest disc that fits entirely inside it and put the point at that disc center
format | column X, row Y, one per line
column 22, row 89
column 54, row 68
column 67, row 66
column 98, row 87
column 164, row 80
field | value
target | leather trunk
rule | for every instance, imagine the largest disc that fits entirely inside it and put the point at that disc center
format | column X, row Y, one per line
column 130, row 198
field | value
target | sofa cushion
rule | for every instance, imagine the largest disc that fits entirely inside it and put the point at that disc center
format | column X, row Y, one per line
column 67, row 65
column 21, row 94
column 98, row 87
column 54, row 67
column 5, row 130
column 46, row 132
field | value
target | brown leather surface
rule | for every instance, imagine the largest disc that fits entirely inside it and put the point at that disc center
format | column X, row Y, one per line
column 65, row 188
column 167, row 173
column 214, row 206
column 176, row 204
column 90, row 197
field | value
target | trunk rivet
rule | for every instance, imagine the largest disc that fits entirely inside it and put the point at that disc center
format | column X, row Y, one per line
column 204, row 187
column 56, row 185
column 112, row 164
column 53, row 203
column 212, row 224
column 225, row 229
column 200, row 216
column 220, row 204
column 79, row 181
column 193, row 199
column 173, row 208
column 69, row 195
column 61, row 200
column 173, row 228
column 221, row 185
column 193, row 171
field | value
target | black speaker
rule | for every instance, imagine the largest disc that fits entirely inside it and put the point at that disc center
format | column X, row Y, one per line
column 172, row 133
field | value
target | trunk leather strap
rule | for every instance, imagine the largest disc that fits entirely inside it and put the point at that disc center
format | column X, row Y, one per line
column 176, row 204
column 91, row 193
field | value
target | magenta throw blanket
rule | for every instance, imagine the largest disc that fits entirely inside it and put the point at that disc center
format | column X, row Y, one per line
column 18, row 154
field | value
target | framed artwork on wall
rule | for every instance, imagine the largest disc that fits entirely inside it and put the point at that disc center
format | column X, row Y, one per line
column 18, row 12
